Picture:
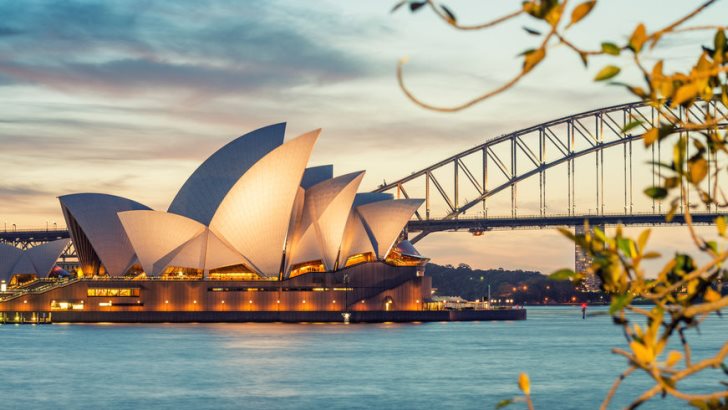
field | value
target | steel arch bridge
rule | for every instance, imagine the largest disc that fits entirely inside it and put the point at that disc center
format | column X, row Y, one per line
column 502, row 163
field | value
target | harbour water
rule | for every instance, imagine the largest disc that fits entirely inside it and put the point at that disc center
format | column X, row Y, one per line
column 460, row 365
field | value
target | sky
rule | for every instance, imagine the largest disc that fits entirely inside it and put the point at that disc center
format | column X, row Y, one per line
column 128, row 98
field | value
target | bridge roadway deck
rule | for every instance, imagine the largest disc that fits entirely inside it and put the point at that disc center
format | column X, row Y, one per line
column 33, row 235
column 537, row 222
column 462, row 223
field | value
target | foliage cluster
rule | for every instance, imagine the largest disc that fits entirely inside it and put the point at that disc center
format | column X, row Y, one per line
column 692, row 103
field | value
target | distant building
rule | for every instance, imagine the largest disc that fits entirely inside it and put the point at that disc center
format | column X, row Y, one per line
column 582, row 263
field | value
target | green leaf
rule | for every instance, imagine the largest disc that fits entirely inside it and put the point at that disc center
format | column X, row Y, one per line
column 531, row 31
column 656, row 192
column 450, row 14
column 607, row 72
column 416, row 5
column 584, row 59
column 504, row 403
column 631, row 125
column 567, row 233
column 713, row 245
column 610, row 48
column 719, row 41
column 619, row 302
column 398, row 5
column 626, row 246
column 562, row 274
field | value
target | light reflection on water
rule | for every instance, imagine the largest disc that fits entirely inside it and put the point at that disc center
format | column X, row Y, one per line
column 315, row 365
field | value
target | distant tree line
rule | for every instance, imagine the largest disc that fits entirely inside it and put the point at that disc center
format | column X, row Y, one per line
column 528, row 287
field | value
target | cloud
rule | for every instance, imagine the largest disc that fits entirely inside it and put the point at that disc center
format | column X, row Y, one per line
column 206, row 49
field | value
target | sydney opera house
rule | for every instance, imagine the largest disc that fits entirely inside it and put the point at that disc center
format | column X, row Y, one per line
column 253, row 234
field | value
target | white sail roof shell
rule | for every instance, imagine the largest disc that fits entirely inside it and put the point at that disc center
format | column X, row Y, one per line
column 384, row 220
column 204, row 191
column 314, row 175
column 24, row 266
column 356, row 239
column 44, row 256
column 190, row 254
column 219, row 254
column 97, row 217
column 38, row 260
column 326, row 208
column 364, row 198
column 9, row 256
column 256, row 212
column 154, row 234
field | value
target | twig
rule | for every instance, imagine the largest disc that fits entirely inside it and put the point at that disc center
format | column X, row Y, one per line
column 470, row 103
column 481, row 26
column 614, row 387
column 656, row 35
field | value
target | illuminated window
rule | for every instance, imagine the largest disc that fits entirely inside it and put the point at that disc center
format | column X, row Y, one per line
column 307, row 267
column 359, row 258
column 238, row 272
column 179, row 273
column 21, row 279
column 113, row 292
column 397, row 258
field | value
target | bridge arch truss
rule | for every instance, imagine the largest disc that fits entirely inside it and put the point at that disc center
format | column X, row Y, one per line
column 528, row 154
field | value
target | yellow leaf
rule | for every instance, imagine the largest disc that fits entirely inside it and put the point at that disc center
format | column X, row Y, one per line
column 685, row 93
column 533, row 58
column 673, row 357
column 698, row 170
column 651, row 136
column 581, row 11
column 711, row 295
column 607, row 73
column 524, row 383
column 554, row 15
column 657, row 69
column 720, row 223
column 639, row 36
column 642, row 240
column 641, row 352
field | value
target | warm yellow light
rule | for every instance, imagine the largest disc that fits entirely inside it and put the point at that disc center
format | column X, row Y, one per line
column 25, row 301
column 166, row 301
column 304, row 301
column 416, row 301
column 362, row 301
column 333, row 301
column 223, row 301
column 194, row 301
column 251, row 301
column 278, row 301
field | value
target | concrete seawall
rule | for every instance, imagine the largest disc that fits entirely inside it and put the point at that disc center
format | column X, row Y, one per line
column 288, row 317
